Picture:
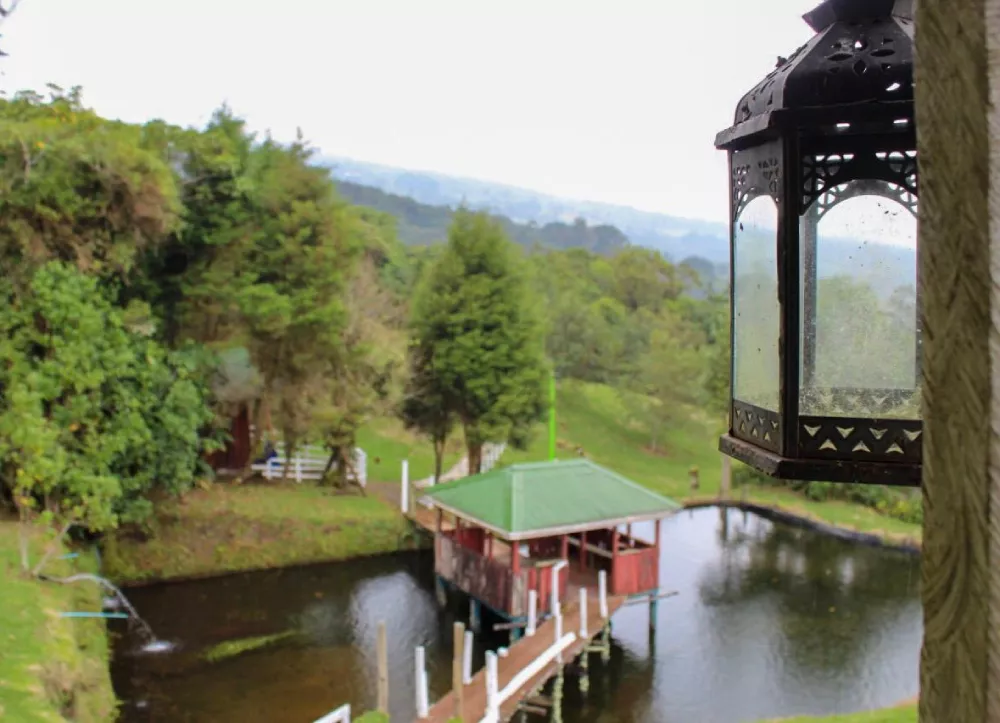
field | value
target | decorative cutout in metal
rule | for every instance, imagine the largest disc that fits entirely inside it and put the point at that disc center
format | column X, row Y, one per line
column 827, row 173
column 756, row 172
column 869, row 440
column 853, row 60
column 756, row 425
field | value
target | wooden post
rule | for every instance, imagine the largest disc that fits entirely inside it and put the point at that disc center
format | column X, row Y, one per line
column 532, row 612
column 583, row 614
column 614, row 555
column 583, row 550
column 602, row 591
column 693, row 477
column 457, row 665
column 383, row 670
column 656, row 545
column 958, row 116
column 727, row 477
column 564, row 547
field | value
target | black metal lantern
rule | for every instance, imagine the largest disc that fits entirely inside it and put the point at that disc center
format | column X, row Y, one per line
column 823, row 275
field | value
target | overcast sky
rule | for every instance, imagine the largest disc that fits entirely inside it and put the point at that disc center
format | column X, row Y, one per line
column 611, row 100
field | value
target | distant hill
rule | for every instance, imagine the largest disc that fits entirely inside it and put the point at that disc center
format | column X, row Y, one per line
column 703, row 245
column 676, row 238
column 422, row 223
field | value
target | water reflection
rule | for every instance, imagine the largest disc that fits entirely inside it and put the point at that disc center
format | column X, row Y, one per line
column 770, row 621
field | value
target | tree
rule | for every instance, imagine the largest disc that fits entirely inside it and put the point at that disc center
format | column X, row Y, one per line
column 425, row 407
column 361, row 382
column 94, row 416
column 670, row 372
column 476, row 333
column 77, row 188
column 291, row 280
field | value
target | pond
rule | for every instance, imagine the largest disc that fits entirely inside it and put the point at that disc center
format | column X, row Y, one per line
column 770, row 620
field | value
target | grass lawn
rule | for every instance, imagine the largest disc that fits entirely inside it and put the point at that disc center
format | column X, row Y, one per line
column 901, row 714
column 598, row 420
column 229, row 528
column 51, row 668
column 387, row 443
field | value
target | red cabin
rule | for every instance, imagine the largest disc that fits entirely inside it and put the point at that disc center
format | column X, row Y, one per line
column 500, row 534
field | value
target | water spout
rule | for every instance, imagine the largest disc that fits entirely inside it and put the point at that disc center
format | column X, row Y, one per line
column 117, row 601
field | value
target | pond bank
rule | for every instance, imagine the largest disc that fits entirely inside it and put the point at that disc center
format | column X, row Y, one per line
column 799, row 517
column 238, row 528
column 51, row 668
column 905, row 713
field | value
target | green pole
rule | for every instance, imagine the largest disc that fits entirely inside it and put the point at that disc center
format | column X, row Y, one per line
column 552, row 417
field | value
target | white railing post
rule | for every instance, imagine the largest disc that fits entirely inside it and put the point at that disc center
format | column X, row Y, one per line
column 467, row 658
column 421, row 680
column 298, row 468
column 492, row 694
column 405, row 498
column 583, row 613
column 532, row 613
column 559, row 634
column 602, row 586
column 341, row 715
column 267, row 468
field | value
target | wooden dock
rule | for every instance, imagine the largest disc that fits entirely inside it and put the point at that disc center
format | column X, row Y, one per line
column 519, row 656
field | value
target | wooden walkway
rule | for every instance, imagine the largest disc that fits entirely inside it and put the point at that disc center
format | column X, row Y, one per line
column 519, row 656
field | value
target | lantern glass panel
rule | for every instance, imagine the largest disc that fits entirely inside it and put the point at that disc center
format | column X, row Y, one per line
column 859, row 324
column 756, row 311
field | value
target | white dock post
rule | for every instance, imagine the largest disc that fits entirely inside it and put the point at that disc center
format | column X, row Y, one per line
column 405, row 492
column 532, row 613
column 602, row 584
column 583, row 614
column 554, row 593
column 467, row 659
column 421, row 679
column 492, row 692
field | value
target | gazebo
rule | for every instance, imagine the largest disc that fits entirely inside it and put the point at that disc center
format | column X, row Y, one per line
column 508, row 528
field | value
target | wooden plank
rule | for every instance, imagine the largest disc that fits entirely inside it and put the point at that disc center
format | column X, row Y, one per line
column 520, row 654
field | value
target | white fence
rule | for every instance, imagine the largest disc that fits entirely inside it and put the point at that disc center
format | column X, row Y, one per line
column 341, row 715
column 308, row 464
column 491, row 455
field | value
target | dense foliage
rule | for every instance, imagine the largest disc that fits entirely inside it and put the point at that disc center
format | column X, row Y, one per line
column 129, row 253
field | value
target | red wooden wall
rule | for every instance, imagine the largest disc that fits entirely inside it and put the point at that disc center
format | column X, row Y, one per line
column 236, row 454
column 635, row 571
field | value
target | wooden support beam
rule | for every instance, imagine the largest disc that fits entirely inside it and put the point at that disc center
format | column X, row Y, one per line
column 382, row 655
column 533, row 709
column 457, row 661
column 512, row 625
column 646, row 599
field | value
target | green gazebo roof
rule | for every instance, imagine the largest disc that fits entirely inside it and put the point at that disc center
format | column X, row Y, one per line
column 549, row 498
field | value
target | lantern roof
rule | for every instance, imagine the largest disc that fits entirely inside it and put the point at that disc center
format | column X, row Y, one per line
column 862, row 53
